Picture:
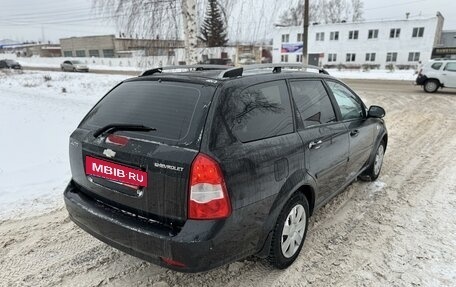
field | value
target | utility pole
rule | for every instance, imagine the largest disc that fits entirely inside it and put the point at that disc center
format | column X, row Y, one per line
column 305, row 35
column 190, row 31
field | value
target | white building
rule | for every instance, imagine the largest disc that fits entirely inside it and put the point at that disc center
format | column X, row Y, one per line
column 398, row 42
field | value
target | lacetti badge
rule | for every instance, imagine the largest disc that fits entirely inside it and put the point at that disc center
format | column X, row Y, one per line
column 116, row 172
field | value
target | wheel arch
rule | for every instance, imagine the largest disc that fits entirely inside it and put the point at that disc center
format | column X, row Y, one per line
column 308, row 188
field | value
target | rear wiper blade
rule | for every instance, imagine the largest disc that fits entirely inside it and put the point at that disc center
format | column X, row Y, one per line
column 122, row 127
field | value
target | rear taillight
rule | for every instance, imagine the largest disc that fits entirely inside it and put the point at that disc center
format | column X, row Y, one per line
column 208, row 198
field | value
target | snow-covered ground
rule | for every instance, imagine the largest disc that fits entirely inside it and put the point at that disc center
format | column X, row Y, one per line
column 404, row 75
column 36, row 119
column 140, row 64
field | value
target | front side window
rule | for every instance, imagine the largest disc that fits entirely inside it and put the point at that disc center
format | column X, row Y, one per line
column 349, row 104
column 261, row 111
column 451, row 67
column 313, row 102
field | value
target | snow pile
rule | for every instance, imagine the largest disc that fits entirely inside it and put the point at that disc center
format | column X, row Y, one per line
column 404, row 75
column 38, row 113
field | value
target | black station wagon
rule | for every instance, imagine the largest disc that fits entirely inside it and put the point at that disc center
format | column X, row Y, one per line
column 207, row 165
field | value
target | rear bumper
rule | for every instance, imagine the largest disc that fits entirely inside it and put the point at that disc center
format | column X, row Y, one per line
column 199, row 245
column 420, row 80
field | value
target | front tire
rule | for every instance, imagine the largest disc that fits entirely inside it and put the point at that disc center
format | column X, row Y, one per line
column 373, row 171
column 290, row 232
column 431, row 86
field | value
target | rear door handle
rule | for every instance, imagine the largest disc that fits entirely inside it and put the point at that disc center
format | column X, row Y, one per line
column 315, row 144
column 354, row 133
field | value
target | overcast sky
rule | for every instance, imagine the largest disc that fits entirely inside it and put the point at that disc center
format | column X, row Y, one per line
column 23, row 20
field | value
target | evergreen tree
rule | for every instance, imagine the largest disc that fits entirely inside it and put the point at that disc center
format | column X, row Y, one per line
column 213, row 30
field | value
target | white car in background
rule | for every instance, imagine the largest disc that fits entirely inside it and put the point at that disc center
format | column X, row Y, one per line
column 437, row 73
column 74, row 66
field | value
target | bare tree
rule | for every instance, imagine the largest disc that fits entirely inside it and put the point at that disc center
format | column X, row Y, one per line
column 326, row 11
column 357, row 7
column 336, row 11
column 294, row 15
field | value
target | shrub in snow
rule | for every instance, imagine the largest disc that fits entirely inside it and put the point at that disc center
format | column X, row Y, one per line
column 47, row 78
column 390, row 67
column 64, row 90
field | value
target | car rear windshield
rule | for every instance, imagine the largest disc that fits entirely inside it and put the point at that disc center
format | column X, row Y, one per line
column 175, row 110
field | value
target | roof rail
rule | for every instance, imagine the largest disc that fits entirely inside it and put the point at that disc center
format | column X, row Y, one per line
column 276, row 68
column 185, row 67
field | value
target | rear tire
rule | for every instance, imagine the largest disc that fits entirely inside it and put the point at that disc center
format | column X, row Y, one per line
column 373, row 171
column 289, row 232
column 431, row 86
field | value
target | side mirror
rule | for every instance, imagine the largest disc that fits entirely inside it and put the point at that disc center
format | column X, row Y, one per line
column 376, row 112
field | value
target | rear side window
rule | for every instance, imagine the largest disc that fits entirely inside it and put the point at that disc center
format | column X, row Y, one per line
column 262, row 111
column 313, row 102
column 436, row 66
column 168, row 107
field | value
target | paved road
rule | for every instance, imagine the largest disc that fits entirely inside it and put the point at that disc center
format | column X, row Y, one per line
column 391, row 87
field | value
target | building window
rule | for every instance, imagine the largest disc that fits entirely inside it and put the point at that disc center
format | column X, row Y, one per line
column 68, row 53
column 334, row 36
column 370, row 57
column 320, row 36
column 299, row 58
column 418, row 32
column 372, row 34
column 350, row 57
column 284, row 58
column 94, row 53
column 80, row 53
column 299, row 37
column 391, row 57
column 414, row 56
column 353, row 35
column 332, row 57
column 395, row 33
column 285, row 38
column 108, row 53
